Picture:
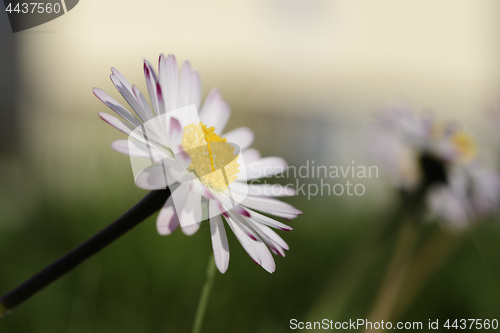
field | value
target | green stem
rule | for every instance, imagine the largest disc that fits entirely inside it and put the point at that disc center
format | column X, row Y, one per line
column 383, row 308
column 426, row 262
column 205, row 296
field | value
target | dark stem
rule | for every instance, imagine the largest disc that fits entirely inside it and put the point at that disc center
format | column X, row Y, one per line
column 151, row 203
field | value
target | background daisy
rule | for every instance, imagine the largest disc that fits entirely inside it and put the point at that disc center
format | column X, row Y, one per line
column 439, row 160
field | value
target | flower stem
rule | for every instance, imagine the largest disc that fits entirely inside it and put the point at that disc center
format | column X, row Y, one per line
column 152, row 202
column 205, row 296
column 397, row 271
column 427, row 261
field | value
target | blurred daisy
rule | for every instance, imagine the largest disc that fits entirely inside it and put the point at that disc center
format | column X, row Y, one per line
column 207, row 171
column 438, row 161
column 472, row 192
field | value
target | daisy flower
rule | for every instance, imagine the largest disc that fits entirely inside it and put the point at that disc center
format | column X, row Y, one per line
column 472, row 192
column 172, row 144
column 439, row 160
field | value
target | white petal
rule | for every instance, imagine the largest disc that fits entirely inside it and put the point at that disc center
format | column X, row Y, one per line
column 198, row 187
column 167, row 220
column 169, row 80
column 263, row 190
column 248, row 230
column 126, row 90
column 148, row 134
column 269, row 205
column 117, row 107
column 185, row 85
column 267, row 260
column 228, row 201
column 188, row 205
column 195, row 90
column 245, row 241
column 153, row 87
column 147, row 113
column 116, row 123
column 285, row 216
column 257, row 250
column 262, row 229
column 242, row 136
column 219, row 243
column 276, row 249
column 265, row 167
column 154, row 177
column 175, row 134
column 215, row 207
column 273, row 246
column 257, row 217
column 251, row 155
column 215, row 111
column 161, row 99
column 121, row 146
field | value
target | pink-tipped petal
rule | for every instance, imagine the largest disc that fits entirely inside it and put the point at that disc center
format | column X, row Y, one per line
column 151, row 82
column 256, row 249
column 245, row 241
column 243, row 225
column 271, row 234
column 277, row 251
column 174, row 132
column 167, row 220
column 161, row 99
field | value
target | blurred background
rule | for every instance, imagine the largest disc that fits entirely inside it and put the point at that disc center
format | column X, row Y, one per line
column 306, row 76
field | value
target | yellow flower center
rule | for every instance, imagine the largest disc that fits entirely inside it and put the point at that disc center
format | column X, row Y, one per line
column 460, row 140
column 465, row 145
column 213, row 160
